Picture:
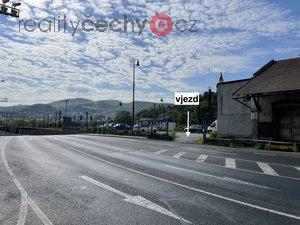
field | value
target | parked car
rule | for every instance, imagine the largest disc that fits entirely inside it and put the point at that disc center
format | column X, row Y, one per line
column 144, row 128
column 195, row 129
column 212, row 127
column 121, row 127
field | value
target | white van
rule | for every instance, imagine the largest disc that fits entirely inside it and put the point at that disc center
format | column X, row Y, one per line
column 212, row 127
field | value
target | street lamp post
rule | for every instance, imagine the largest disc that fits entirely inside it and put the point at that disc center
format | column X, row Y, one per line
column 135, row 63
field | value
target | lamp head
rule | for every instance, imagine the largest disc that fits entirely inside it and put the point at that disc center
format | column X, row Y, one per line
column 16, row 4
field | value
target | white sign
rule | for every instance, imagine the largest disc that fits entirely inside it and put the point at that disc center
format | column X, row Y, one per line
column 187, row 98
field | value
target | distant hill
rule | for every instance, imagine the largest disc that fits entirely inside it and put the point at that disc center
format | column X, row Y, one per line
column 78, row 106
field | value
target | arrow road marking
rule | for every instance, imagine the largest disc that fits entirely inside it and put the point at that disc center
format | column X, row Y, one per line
column 188, row 133
column 137, row 200
column 289, row 215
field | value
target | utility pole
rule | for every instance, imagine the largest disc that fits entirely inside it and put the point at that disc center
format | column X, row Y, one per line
column 209, row 105
column 59, row 118
column 135, row 63
column 66, row 108
column 86, row 118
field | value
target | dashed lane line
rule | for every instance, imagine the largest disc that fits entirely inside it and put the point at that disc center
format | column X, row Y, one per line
column 160, row 151
column 239, row 169
column 178, row 155
column 267, row 169
column 202, row 158
column 230, row 163
column 227, row 179
column 289, row 215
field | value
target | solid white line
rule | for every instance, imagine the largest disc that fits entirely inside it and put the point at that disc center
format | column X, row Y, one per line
column 266, row 154
column 202, row 158
column 178, row 155
column 226, row 153
column 267, row 169
column 160, row 151
column 137, row 200
column 192, row 188
column 230, row 163
column 228, row 179
column 297, row 168
column 24, row 196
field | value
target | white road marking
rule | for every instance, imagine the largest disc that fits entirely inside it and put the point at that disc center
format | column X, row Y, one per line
column 250, row 171
column 202, row 158
column 267, row 169
column 289, row 215
column 266, row 154
column 25, row 198
column 178, row 155
column 230, row 163
column 226, row 153
column 228, row 179
column 137, row 200
column 160, row 151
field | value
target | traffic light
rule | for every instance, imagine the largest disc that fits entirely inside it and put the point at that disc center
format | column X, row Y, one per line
column 8, row 10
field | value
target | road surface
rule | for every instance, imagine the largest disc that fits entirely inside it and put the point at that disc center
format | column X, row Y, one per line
column 85, row 179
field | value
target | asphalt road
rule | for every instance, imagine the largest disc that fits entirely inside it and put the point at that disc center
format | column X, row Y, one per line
column 82, row 179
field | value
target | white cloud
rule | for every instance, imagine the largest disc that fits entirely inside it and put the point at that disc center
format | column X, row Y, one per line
column 49, row 66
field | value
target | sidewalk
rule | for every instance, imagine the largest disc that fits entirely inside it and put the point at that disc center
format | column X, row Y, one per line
column 182, row 138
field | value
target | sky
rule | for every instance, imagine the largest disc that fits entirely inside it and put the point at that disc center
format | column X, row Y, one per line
column 207, row 37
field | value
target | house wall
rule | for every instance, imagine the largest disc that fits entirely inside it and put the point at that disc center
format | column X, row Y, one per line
column 234, row 119
column 265, row 117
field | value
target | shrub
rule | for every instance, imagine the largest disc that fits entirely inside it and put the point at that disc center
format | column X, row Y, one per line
column 213, row 135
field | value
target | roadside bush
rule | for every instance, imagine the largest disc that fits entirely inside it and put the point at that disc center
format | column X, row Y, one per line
column 161, row 137
column 213, row 135
column 259, row 146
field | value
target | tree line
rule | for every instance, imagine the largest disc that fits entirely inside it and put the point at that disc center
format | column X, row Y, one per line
column 204, row 114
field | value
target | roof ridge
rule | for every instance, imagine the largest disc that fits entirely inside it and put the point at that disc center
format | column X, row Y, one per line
column 290, row 59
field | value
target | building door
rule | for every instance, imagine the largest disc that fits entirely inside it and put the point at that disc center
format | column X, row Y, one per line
column 287, row 123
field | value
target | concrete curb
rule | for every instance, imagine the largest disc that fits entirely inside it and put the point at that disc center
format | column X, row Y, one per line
column 118, row 136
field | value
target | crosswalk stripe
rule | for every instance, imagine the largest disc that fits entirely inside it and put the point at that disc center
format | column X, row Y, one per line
column 202, row 158
column 297, row 168
column 267, row 169
column 160, row 151
column 230, row 163
column 178, row 155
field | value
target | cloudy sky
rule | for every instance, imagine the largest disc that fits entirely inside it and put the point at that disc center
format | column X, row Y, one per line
column 230, row 36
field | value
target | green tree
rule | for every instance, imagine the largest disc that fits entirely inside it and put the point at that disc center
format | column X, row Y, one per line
column 178, row 114
column 123, row 117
